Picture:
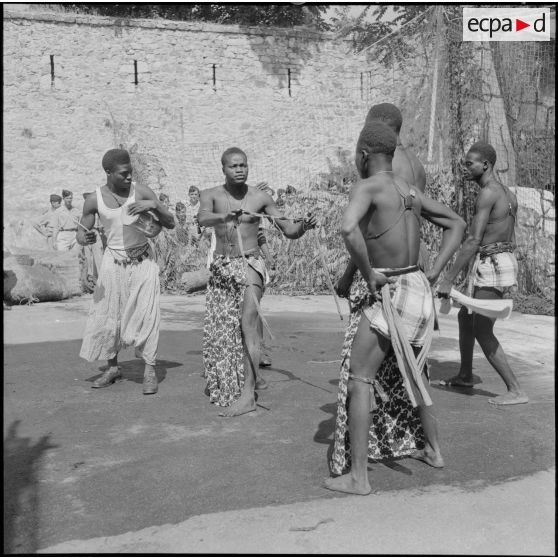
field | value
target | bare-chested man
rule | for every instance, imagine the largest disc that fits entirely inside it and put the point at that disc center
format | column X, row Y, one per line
column 231, row 348
column 492, row 240
column 405, row 165
column 381, row 225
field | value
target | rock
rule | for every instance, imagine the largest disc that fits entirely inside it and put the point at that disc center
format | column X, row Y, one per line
column 192, row 281
column 63, row 264
column 32, row 283
column 40, row 275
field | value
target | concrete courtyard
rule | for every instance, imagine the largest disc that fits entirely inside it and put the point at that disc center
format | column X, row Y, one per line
column 112, row 471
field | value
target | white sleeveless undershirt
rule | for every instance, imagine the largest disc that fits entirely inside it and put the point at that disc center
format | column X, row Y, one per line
column 119, row 236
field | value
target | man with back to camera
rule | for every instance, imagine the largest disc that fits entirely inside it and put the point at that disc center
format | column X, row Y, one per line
column 381, row 228
column 405, row 164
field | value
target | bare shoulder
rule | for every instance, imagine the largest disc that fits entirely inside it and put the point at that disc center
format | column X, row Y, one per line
column 489, row 194
column 144, row 192
column 210, row 193
column 372, row 183
column 90, row 205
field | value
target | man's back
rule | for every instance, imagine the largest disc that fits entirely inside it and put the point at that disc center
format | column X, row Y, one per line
column 406, row 165
column 391, row 226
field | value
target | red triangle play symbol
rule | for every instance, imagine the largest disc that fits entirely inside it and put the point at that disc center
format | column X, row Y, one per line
column 519, row 25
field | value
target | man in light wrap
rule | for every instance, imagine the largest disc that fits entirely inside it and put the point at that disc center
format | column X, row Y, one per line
column 232, row 344
column 381, row 227
column 125, row 307
column 491, row 242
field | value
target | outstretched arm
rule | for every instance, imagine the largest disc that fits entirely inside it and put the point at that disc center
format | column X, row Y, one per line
column 453, row 228
column 287, row 227
column 150, row 202
column 484, row 205
column 87, row 220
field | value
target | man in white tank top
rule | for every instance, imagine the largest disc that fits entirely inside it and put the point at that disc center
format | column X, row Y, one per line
column 125, row 307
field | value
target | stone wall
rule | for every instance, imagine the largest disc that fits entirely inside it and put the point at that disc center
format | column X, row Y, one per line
column 70, row 94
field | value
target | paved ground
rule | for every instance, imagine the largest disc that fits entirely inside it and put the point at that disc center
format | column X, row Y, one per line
column 113, row 471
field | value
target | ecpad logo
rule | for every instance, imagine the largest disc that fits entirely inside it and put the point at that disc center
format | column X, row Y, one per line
column 506, row 24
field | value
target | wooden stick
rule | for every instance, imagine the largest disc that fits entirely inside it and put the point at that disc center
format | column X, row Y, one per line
column 273, row 217
column 328, row 276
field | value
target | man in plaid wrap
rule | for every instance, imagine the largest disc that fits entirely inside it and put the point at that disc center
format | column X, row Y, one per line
column 381, row 226
column 491, row 241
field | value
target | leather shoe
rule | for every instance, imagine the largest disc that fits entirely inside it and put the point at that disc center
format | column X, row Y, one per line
column 265, row 361
column 108, row 378
column 150, row 384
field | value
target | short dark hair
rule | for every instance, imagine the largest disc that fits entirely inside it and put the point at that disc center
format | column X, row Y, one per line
column 115, row 157
column 485, row 150
column 66, row 193
column 377, row 137
column 179, row 205
column 193, row 189
column 163, row 197
column 388, row 113
column 55, row 198
column 232, row 151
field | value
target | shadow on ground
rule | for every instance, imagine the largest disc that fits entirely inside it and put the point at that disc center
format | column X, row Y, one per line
column 124, row 461
column 22, row 461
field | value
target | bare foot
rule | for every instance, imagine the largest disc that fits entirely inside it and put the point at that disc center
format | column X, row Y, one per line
column 346, row 483
column 429, row 457
column 244, row 404
column 509, row 398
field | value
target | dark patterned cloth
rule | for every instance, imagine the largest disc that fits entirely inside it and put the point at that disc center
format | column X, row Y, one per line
column 223, row 353
column 395, row 429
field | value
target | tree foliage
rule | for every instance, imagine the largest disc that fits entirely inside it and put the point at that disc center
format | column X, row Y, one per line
column 371, row 26
column 278, row 15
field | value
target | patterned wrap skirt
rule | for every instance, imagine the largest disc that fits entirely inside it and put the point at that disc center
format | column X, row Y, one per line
column 124, row 311
column 223, row 349
column 395, row 429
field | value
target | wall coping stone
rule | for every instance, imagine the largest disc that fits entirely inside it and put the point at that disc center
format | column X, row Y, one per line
column 199, row 27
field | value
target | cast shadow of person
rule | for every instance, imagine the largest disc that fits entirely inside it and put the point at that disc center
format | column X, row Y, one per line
column 447, row 369
column 22, row 460
column 132, row 370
